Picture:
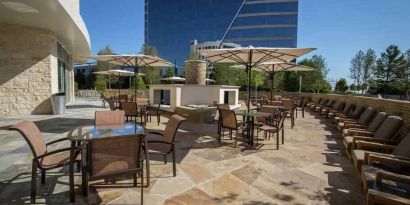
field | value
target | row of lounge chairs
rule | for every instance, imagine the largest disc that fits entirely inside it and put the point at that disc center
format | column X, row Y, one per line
column 375, row 143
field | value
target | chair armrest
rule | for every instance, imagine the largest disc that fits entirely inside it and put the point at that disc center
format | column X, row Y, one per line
column 57, row 140
column 155, row 133
column 359, row 138
column 363, row 133
column 372, row 144
column 55, row 152
column 386, row 159
column 159, row 141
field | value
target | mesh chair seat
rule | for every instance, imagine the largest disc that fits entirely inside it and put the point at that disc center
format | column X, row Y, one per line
column 57, row 159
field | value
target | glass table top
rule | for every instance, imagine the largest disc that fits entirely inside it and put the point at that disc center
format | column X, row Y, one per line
column 251, row 113
column 90, row 132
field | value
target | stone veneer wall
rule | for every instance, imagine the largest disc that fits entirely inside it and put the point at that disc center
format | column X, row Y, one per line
column 27, row 59
column 195, row 72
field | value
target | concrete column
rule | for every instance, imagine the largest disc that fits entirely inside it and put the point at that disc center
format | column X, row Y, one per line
column 70, row 82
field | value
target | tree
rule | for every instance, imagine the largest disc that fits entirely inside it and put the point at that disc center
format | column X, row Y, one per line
column 170, row 72
column 290, row 81
column 100, row 81
column 388, row 70
column 356, row 67
column 152, row 74
column 224, row 74
column 341, row 86
column 315, row 81
column 369, row 66
column 405, row 76
column 353, row 87
column 138, row 82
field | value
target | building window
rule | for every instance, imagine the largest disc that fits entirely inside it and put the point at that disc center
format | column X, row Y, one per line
column 62, row 57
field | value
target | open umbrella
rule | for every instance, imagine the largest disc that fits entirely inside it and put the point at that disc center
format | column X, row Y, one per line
column 135, row 61
column 174, row 79
column 273, row 68
column 251, row 57
column 117, row 72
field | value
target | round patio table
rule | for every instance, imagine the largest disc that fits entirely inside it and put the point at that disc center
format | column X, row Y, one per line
column 249, row 118
column 86, row 133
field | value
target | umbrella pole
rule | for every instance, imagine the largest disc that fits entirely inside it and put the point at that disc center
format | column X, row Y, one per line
column 135, row 83
column 119, row 89
column 271, row 89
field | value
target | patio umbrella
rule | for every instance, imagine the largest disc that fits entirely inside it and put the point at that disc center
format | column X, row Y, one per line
column 251, row 57
column 208, row 80
column 135, row 61
column 174, row 79
column 273, row 68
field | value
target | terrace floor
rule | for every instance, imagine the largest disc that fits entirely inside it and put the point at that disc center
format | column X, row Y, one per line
column 309, row 168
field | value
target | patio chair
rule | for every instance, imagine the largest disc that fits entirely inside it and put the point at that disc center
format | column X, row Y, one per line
column 312, row 104
column 114, row 157
column 355, row 129
column 392, row 189
column 384, row 158
column 123, row 98
column 109, row 117
column 154, row 111
column 131, row 110
column 219, row 107
column 385, row 134
column 166, row 145
column 319, row 108
column 290, row 107
column 43, row 159
column 112, row 104
column 300, row 105
column 354, row 114
column 261, row 121
column 364, row 119
column 276, row 128
column 230, row 122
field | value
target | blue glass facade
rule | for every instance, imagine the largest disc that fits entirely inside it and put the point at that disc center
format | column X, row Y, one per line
column 170, row 25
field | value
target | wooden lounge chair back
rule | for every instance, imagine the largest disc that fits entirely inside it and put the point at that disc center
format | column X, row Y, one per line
column 324, row 102
column 388, row 129
column 109, row 117
column 337, row 105
column 123, row 98
column 348, row 107
column 319, row 101
column 112, row 156
column 130, row 108
column 172, row 127
column 367, row 115
column 377, row 121
column 403, row 148
column 330, row 103
column 228, row 119
column 358, row 110
column 287, row 103
column 33, row 137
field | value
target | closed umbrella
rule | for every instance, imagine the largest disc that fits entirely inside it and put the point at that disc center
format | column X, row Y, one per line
column 251, row 57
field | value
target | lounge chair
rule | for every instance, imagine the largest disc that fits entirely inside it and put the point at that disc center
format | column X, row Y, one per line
column 166, row 145
column 346, row 111
column 392, row 189
column 354, row 114
column 364, row 119
column 336, row 107
column 384, row 158
column 43, row 159
column 356, row 129
column 385, row 134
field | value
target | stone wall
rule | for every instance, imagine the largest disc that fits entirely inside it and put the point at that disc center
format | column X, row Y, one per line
column 27, row 58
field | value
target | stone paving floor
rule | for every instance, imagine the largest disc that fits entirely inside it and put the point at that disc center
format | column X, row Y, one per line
column 309, row 168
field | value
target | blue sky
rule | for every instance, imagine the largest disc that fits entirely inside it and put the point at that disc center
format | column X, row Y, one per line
column 338, row 29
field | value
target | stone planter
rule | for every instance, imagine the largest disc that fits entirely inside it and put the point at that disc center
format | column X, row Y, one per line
column 195, row 72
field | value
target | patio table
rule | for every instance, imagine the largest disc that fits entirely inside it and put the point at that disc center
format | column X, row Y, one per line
column 83, row 134
column 249, row 118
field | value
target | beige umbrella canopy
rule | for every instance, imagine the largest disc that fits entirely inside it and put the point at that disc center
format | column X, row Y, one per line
column 174, row 79
column 251, row 57
column 135, row 61
column 273, row 68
